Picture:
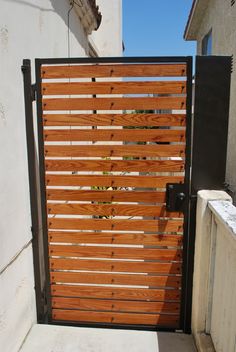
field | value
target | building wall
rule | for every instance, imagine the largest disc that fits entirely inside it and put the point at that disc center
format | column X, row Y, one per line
column 108, row 39
column 28, row 29
column 220, row 16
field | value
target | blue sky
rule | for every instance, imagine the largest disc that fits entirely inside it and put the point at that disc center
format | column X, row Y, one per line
column 156, row 27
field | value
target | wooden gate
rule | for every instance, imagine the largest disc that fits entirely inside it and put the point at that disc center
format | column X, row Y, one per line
column 112, row 135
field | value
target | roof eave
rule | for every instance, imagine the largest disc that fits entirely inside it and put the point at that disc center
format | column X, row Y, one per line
column 195, row 18
column 89, row 15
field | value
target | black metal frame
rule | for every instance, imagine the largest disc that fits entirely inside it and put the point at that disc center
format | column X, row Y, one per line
column 29, row 97
column 211, row 113
column 112, row 60
column 189, row 238
column 185, row 316
column 209, row 145
column 48, row 316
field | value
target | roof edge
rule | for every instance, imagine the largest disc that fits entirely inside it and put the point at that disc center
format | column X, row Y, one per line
column 196, row 14
column 89, row 14
column 190, row 17
column 96, row 12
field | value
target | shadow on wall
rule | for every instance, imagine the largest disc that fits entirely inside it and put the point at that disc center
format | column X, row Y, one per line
column 62, row 8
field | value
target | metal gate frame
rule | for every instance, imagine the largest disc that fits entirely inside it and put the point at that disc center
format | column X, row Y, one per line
column 33, row 92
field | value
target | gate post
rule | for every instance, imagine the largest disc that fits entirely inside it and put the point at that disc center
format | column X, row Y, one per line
column 210, row 134
column 39, row 272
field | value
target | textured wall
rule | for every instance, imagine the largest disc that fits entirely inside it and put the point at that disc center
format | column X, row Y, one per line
column 28, row 29
column 17, row 307
column 31, row 29
column 222, row 319
column 203, row 269
column 221, row 17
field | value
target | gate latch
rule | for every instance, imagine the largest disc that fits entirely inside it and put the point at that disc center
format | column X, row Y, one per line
column 175, row 196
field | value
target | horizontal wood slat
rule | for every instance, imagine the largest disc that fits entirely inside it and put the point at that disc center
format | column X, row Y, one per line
column 116, row 70
column 115, row 306
column 105, row 196
column 115, row 252
column 112, row 181
column 140, row 294
column 115, row 165
column 114, row 150
column 115, row 279
column 153, row 87
column 122, row 225
column 115, row 238
column 111, row 210
column 114, row 119
column 178, row 103
column 115, row 135
column 115, row 266
column 115, row 318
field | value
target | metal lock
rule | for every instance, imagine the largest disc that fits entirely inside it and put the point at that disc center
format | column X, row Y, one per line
column 175, row 196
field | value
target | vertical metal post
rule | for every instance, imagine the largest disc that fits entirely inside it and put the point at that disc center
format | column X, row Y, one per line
column 185, row 324
column 211, row 114
column 32, row 173
column 42, row 173
column 209, row 147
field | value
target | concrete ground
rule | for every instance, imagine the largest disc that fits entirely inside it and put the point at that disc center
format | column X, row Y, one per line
column 52, row 338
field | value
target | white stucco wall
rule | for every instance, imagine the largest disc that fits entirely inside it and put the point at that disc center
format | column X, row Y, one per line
column 108, row 39
column 220, row 16
column 222, row 317
column 17, row 303
column 214, row 282
column 28, row 29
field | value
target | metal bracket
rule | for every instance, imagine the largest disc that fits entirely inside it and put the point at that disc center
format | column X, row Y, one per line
column 33, row 92
column 175, row 196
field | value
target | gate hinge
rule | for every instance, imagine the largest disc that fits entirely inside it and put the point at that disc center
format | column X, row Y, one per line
column 175, row 196
column 34, row 233
column 44, row 307
column 33, row 92
column 44, row 297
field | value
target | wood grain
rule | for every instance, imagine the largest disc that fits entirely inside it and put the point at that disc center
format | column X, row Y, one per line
column 122, row 225
column 113, row 181
column 115, row 306
column 115, row 135
column 115, row 70
column 115, row 318
column 114, row 120
column 115, row 238
column 167, row 103
column 128, row 87
column 115, row 252
column 116, row 279
column 115, row 165
column 114, row 150
column 140, row 294
column 111, row 210
column 115, row 266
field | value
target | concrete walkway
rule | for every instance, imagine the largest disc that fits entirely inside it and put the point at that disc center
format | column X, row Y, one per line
column 52, row 338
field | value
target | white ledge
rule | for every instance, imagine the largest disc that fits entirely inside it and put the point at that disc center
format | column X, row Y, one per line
column 225, row 212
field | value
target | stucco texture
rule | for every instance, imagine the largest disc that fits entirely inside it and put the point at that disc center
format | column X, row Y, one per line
column 220, row 16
